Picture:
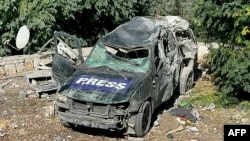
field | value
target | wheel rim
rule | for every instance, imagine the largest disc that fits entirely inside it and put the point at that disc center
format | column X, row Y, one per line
column 145, row 119
column 189, row 82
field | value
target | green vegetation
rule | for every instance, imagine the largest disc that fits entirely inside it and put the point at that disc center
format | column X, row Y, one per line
column 89, row 19
column 229, row 25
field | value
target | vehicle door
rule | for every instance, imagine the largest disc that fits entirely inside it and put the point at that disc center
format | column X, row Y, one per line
column 67, row 57
column 167, row 65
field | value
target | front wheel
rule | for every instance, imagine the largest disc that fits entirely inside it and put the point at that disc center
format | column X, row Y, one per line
column 143, row 119
column 186, row 80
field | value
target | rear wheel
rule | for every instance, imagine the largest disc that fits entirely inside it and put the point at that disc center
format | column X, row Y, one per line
column 143, row 119
column 186, row 80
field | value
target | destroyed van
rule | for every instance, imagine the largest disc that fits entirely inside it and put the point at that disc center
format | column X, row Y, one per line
column 127, row 75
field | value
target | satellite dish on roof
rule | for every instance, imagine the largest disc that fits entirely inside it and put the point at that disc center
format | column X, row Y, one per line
column 22, row 37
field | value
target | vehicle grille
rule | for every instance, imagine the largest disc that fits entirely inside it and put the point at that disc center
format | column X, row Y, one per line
column 100, row 109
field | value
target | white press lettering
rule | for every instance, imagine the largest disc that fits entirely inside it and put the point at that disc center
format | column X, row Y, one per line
column 89, row 81
column 110, row 84
column 81, row 80
column 93, row 81
column 101, row 83
column 121, row 86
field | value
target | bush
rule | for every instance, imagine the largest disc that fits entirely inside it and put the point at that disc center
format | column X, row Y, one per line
column 230, row 63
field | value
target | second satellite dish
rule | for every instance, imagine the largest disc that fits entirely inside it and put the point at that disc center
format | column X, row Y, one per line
column 22, row 37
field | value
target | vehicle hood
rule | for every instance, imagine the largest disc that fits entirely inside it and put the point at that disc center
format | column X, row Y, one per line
column 107, row 87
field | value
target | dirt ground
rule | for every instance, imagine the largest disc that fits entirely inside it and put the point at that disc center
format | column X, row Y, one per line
column 31, row 119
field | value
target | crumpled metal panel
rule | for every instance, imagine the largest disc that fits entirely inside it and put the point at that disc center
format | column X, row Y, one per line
column 125, row 36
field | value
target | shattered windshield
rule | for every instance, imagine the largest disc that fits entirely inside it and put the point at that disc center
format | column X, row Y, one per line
column 136, row 60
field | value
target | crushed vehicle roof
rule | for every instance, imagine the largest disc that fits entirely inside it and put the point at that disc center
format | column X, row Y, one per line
column 143, row 31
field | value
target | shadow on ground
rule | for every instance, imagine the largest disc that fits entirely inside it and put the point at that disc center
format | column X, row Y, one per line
column 99, row 132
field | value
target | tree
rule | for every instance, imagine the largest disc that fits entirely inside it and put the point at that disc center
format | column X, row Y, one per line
column 228, row 23
column 43, row 17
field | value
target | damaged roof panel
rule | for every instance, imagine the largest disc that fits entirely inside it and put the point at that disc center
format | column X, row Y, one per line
column 139, row 32
column 143, row 31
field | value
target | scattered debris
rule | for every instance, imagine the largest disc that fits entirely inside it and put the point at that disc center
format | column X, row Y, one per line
column 135, row 139
column 2, row 133
column 15, row 85
column 192, row 128
column 185, row 115
column 184, row 112
column 58, row 138
column 179, row 128
column 42, row 66
column 22, row 94
column 14, row 125
column 2, row 85
column 41, row 81
column 2, row 102
column 210, row 107
column 49, row 111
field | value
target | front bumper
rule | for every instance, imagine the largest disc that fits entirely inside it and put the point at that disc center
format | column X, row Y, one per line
column 90, row 121
column 85, row 118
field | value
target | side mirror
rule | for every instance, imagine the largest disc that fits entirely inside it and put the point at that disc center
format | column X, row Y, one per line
column 22, row 37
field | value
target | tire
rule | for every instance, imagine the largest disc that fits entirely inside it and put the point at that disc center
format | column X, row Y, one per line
column 186, row 80
column 143, row 120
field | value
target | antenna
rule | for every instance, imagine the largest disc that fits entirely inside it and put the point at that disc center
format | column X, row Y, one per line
column 22, row 38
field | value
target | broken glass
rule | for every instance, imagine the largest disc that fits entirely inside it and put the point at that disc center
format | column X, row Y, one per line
column 119, row 59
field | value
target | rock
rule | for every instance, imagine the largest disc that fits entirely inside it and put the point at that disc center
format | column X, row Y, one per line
column 245, row 120
column 194, row 129
column 20, row 67
column 28, row 65
column 69, row 136
column 44, row 95
column 10, row 69
column 135, row 139
column 33, row 82
column 22, row 132
column 15, row 85
column 58, row 138
column 156, row 124
column 2, row 102
column 29, row 92
column 237, row 116
column 22, row 94
column 49, row 111
column 14, row 125
column 2, row 133
column 2, row 72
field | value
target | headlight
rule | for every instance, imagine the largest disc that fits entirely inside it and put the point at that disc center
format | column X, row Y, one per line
column 61, row 97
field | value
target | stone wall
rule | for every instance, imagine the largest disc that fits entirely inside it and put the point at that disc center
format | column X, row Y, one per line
column 13, row 65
